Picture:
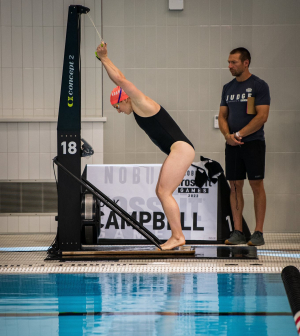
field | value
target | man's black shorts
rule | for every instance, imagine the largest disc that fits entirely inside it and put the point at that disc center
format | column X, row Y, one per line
column 247, row 158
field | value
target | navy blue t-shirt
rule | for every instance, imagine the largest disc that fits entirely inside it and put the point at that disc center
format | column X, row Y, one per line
column 235, row 95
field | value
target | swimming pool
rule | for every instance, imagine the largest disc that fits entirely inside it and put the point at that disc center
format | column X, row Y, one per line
column 144, row 304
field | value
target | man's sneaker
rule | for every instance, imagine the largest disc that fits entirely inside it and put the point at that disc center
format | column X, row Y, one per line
column 256, row 239
column 236, row 238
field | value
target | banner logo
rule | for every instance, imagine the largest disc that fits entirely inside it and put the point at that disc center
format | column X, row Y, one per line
column 132, row 187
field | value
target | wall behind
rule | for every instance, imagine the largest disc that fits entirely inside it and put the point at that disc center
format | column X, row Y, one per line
column 179, row 58
column 32, row 42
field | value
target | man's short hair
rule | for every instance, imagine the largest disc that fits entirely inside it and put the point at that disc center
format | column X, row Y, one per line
column 244, row 54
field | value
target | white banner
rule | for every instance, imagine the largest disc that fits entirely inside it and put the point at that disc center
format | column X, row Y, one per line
column 132, row 187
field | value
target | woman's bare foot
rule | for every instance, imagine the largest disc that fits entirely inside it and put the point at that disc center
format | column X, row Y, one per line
column 172, row 243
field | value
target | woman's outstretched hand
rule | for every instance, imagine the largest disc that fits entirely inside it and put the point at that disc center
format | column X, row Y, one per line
column 102, row 50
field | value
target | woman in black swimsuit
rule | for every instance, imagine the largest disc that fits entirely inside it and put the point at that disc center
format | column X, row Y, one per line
column 164, row 132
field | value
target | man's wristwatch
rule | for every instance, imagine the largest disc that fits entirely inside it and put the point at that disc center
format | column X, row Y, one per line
column 238, row 134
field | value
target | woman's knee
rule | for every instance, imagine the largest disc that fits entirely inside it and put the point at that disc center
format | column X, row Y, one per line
column 161, row 192
column 157, row 192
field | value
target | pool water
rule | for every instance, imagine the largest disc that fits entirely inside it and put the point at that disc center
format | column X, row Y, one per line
column 144, row 304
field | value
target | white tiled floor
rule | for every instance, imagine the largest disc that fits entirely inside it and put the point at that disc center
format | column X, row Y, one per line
column 279, row 251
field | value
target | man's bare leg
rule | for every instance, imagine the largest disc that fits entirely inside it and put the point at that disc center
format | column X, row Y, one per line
column 171, row 175
column 260, row 203
column 237, row 203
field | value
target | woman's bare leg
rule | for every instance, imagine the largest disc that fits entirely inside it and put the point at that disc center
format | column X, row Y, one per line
column 171, row 174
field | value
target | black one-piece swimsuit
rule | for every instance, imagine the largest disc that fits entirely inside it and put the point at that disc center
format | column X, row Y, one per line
column 162, row 130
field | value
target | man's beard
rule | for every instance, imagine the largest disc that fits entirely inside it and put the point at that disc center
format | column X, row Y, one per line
column 236, row 73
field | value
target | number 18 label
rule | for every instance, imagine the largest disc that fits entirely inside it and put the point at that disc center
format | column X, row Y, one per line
column 71, row 147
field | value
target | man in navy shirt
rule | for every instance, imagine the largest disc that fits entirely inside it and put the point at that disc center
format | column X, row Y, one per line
column 244, row 110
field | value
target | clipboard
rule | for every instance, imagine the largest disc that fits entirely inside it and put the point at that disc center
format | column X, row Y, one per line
column 251, row 105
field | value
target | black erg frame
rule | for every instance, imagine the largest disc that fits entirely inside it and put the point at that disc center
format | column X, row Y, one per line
column 68, row 137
